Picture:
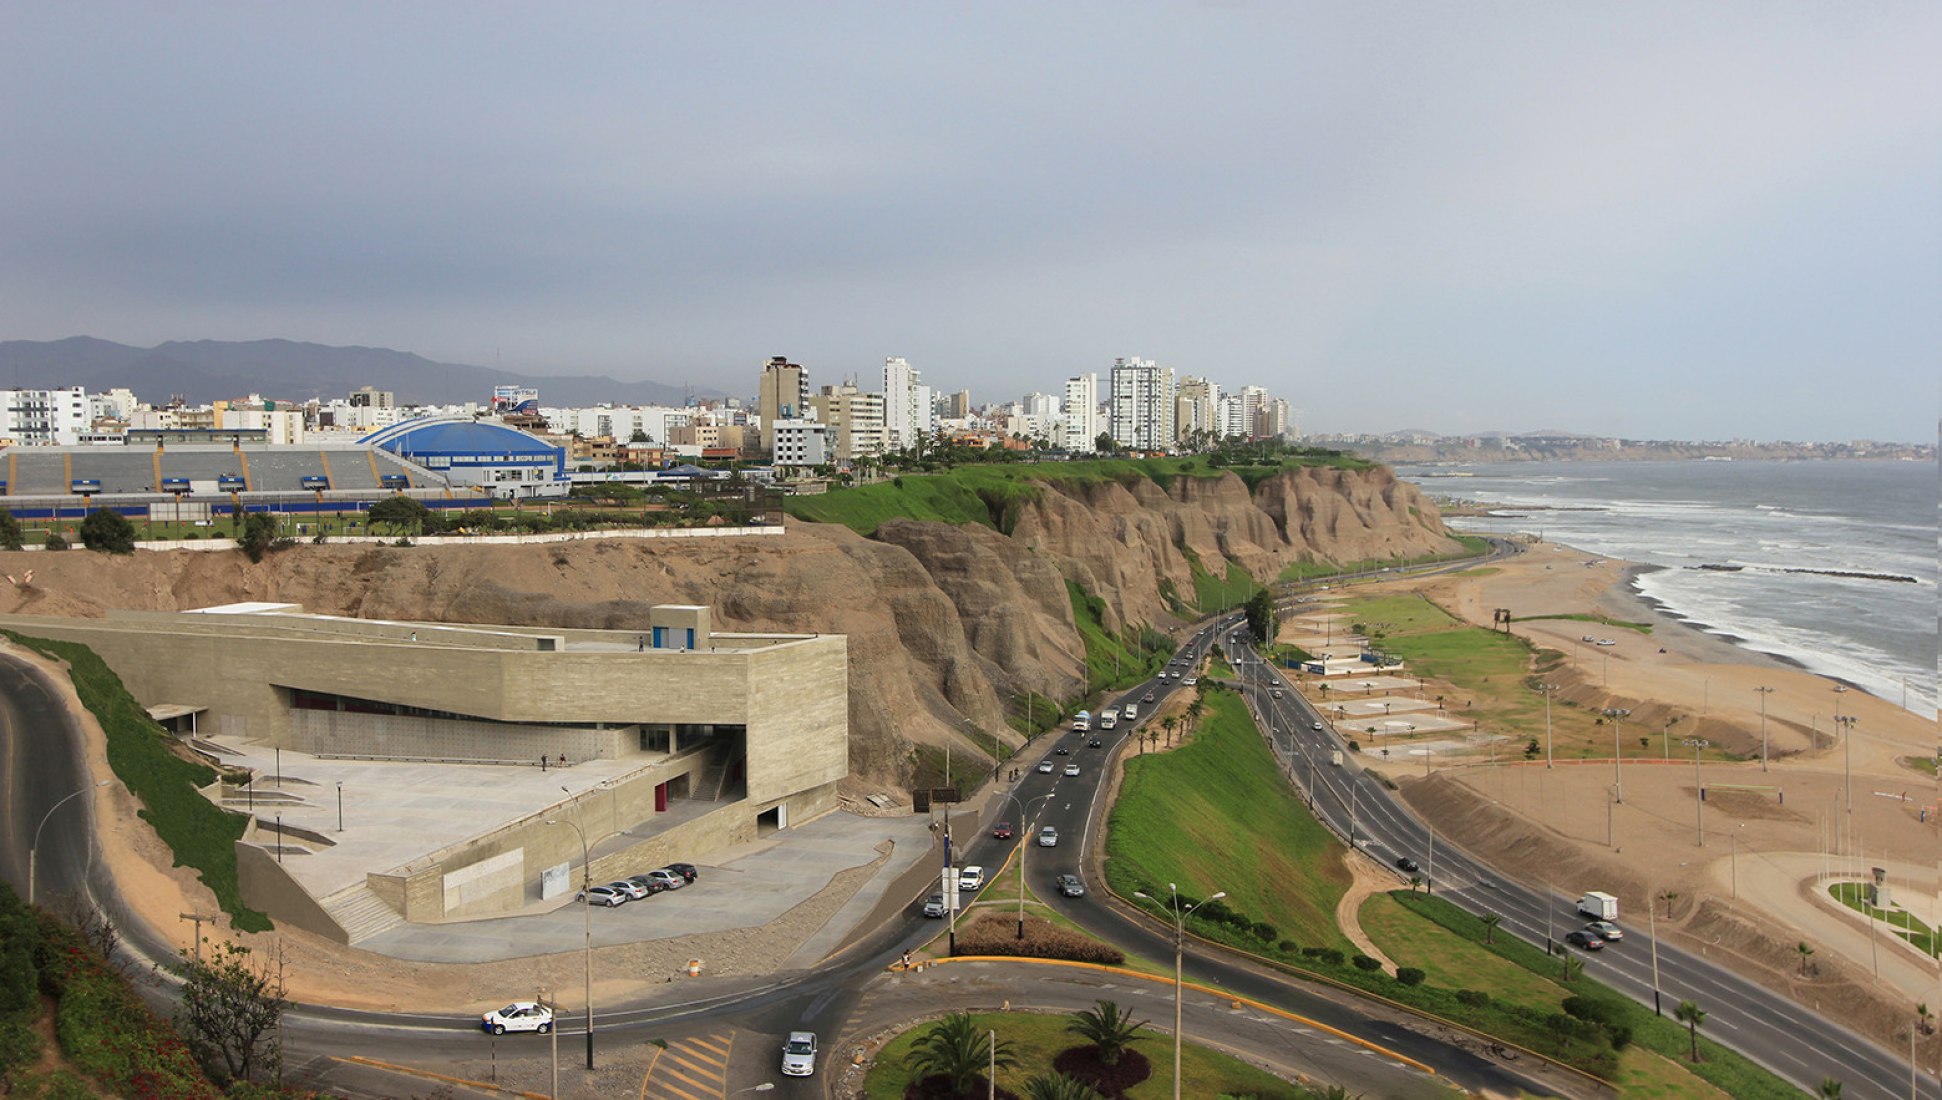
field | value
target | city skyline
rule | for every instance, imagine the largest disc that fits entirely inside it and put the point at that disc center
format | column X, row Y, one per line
column 1654, row 222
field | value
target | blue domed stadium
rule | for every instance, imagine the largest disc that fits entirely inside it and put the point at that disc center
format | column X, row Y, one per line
column 466, row 452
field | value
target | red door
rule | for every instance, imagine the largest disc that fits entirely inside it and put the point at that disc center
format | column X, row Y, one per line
column 660, row 798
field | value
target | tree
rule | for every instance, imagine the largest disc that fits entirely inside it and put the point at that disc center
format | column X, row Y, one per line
column 260, row 535
column 10, row 533
column 1805, row 951
column 1109, row 1029
column 1925, row 1018
column 1057, row 1086
column 1490, row 923
column 229, row 1011
column 1669, row 897
column 957, row 1049
column 1694, row 1018
column 108, row 531
column 1168, row 723
column 1260, row 615
column 55, row 541
column 1830, row 1089
column 402, row 513
column 1573, row 966
column 1105, row 444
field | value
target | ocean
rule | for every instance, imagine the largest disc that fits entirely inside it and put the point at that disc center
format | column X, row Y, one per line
column 1829, row 564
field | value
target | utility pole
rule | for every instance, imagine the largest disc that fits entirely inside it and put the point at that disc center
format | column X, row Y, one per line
column 197, row 919
column 1764, row 692
column 1547, row 689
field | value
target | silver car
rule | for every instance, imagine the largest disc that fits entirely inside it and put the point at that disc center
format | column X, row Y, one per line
column 799, row 1054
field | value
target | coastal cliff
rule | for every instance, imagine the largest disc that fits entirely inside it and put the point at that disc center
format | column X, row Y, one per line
column 949, row 624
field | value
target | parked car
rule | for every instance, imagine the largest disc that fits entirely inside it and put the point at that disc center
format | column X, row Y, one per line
column 971, row 878
column 799, row 1054
column 1046, row 767
column 934, row 906
column 686, row 870
column 1404, row 863
column 1048, row 837
column 649, row 884
column 1071, row 887
column 1001, row 831
column 634, row 890
column 1072, row 769
column 1605, row 930
column 671, row 879
column 1584, row 940
column 518, row 1016
column 605, row 895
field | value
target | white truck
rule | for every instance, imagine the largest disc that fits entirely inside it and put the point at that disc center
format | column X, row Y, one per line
column 1081, row 722
column 1132, row 711
column 1110, row 712
column 1598, row 906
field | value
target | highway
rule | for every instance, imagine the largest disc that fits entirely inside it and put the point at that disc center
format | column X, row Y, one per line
column 1787, row 1038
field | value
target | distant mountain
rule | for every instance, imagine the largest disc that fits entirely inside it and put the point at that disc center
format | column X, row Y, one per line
column 209, row 370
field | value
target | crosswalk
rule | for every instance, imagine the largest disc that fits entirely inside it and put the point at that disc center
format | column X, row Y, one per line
column 694, row 1068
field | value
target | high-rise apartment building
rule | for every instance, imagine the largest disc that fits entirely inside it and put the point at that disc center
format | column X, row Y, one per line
column 44, row 418
column 1142, row 405
column 854, row 420
column 782, row 393
column 957, row 406
column 1239, row 412
column 1195, row 410
column 1082, row 420
column 907, row 412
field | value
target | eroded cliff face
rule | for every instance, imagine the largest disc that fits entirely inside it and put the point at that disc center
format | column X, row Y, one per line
column 946, row 624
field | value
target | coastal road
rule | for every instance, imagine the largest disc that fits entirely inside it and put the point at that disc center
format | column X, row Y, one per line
column 1773, row 1030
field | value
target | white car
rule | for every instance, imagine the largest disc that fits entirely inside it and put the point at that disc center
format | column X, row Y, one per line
column 1072, row 769
column 799, row 1054
column 1191, row 681
column 518, row 1016
column 970, row 878
column 1046, row 767
column 1048, row 837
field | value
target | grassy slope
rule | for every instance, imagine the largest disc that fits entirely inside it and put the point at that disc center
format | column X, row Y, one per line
column 200, row 833
column 1037, row 1039
column 1221, row 793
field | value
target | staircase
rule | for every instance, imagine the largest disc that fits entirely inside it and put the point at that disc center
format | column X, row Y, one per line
column 361, row 913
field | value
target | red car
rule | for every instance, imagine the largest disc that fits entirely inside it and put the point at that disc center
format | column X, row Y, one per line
column 1002, row 830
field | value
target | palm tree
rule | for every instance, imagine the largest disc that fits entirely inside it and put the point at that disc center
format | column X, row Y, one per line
column 1805, row 951
column 1490, row 923
column 1694, row 1018
column 1830, row 1089
column 1169, row 722
column 1573, row 966
column 1057, row 1086
column 1109, row 1029
column 1926, row 1018
column 958, row 1049
column 1669, row 897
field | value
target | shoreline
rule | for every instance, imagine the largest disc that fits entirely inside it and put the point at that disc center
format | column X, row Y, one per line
column 1624, row 600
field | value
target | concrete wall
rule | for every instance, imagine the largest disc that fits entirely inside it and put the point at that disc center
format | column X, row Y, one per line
column 403, row 736
column 264, row 886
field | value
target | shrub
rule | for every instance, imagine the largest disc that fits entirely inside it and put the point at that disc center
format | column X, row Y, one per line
column 1410, row 975
column 991, row 934
column 1265, row 931
column 108, row 531
column 1289, row 947
column 55, row 541
column 18, row 1047
column 1474, row 998
column 1365, row 962
column 1329, row 955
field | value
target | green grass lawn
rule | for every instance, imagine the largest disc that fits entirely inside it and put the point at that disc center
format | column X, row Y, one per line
column 1221, row 794
column 1904, row 924
column 1581, row 617
column 1451, row 960
column 1036, row 1039
column 1923, row 764
column 1405, row 614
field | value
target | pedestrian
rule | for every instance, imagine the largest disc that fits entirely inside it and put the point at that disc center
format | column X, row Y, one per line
column 906, row 960
column 562, row 760
column 542, row 762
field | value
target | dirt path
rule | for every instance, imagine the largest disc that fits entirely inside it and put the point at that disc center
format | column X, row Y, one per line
column 1369, row 880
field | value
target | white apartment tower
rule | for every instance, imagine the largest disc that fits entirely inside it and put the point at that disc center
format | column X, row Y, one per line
column 1142, row 405
column 907, row 411
column 1082, row 421
column 1239, row 412
column 44, row 418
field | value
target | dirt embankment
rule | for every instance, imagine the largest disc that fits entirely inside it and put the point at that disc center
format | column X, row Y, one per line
column 945, row 623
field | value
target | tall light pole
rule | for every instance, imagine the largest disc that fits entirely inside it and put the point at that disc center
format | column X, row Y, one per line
column 1179, row 947
column 1617, row 715
column 1547, row 689
column 1699, row 792
column 1023, row 835
column 586, row 919
column 33, row 849
column 340, row 805
column 1845, row 722
column 1764, row 692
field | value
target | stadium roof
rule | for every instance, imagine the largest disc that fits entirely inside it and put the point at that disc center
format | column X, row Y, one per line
column 457, row 436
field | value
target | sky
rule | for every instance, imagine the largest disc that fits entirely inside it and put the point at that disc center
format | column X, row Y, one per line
column 1697, row 221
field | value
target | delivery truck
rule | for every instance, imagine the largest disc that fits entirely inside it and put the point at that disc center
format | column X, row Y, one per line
column 1598, row 906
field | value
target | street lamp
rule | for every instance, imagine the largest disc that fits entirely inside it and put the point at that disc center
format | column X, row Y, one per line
column 1764, row 692
column 1846, row 724
column 586, row 919
column 1547, row 689
column 1699, row 792
column 1617, row 715
column 1179, row 946
column 340, row 805
column 34, row 849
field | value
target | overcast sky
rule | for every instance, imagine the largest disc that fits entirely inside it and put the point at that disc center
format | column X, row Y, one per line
column 1682, row 220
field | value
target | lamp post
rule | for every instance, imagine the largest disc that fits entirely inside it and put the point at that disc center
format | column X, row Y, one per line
column 1617, row 715
column 340, row 805
column 586, row 919
column 1547, row 689
column 1179, row 947
column 1699, row 792
column 33, row 850
column 1764, row 692
column 1846, row 724
column 1023, row 835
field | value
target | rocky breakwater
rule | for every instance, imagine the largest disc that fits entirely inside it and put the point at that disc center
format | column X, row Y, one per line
column 949, row 625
